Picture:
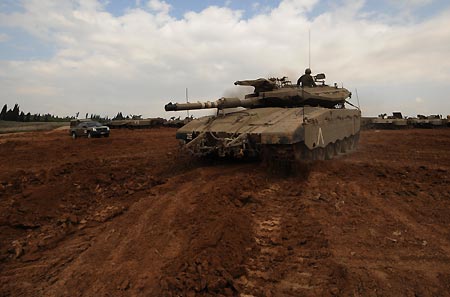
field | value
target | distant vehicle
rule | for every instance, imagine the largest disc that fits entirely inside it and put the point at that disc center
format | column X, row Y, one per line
column 396, row 121
column 177, row 122
column 431, row 121
column 88, row 128
column 136, row 123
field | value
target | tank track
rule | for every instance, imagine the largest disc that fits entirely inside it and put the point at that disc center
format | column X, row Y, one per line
column 300, row 153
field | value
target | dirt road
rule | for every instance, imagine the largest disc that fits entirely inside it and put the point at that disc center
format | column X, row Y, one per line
column 128, row 216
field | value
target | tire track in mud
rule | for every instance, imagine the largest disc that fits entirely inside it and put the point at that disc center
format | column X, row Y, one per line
column 292, row 258
column 426, row 248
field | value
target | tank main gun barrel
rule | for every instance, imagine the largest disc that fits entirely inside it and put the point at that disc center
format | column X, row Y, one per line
column 219, row 104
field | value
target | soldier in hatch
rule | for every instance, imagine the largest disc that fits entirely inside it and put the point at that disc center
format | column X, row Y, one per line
column 306, row 80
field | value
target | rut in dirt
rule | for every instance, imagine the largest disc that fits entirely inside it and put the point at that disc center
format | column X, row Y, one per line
column 292, row 255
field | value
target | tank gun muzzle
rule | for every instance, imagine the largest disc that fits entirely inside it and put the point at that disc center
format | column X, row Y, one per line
column 170, row 106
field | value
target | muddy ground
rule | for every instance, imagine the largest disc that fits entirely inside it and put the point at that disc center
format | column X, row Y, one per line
column 128, row 216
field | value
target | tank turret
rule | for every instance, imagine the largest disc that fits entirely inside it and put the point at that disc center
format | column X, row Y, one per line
column 280, row 120
column 274, row 93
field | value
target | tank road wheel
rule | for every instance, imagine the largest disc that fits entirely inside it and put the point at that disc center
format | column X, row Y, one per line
column 338, row 147
column 275, row 160
column 319, row 153
column 356, row 140
column 314, row 155
column 266, row 155
column 346, row 145
column 329, row 151
column 299, row 152
column 271, row 159
column 351, row 143
column 302, row 153
column 308, row 155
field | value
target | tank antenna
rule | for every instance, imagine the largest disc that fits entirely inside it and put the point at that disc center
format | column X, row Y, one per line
column 309, row 48
column 187, row 101
column 357, row 97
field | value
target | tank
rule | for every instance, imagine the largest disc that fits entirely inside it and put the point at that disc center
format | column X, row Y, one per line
column 137, row 123
column 431, row 121
column 278, row 120
column 396, row 121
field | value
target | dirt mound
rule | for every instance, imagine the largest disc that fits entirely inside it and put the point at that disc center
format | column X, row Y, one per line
column 128, row 216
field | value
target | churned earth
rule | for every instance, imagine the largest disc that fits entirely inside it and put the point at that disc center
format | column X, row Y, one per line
column 130, row 216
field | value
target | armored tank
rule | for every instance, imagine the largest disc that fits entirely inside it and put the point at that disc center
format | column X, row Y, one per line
column 431, row 121
column 278, row 120
column 396, row 121
column 137, row 123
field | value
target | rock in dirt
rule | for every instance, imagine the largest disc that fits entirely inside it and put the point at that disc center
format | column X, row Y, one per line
column 17, row 247
column 108, row 213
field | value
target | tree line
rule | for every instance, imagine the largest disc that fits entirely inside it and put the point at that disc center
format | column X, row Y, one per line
column 15, row 114
column 120, row 116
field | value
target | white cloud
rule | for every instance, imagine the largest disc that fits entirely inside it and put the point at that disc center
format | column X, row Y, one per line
column 137, row 62
column 159, row 6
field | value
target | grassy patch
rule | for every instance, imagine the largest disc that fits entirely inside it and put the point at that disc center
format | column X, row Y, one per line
column 14, row 127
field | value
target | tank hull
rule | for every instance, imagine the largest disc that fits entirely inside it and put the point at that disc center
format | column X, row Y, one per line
column 380, row 123
column 428, row 123
column 300, row 133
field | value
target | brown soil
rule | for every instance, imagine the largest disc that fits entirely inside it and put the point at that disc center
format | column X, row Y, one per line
column 129, row 216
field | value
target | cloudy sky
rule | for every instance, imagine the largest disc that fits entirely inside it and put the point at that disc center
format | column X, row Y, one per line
column 99, row 56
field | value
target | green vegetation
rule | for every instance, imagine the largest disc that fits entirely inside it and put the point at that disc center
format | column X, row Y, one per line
column 16, row 115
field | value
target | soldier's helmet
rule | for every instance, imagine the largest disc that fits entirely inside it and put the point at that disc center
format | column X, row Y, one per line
column 307, row 71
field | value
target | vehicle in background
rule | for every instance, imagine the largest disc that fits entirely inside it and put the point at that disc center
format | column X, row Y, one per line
column 395, row 121
column 177, row 122
column 431, row 121
column 137, row 123
column 88, row 128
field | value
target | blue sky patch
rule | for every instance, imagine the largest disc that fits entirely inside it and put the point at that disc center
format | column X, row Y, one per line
column 22, row 46
column 180, row 7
